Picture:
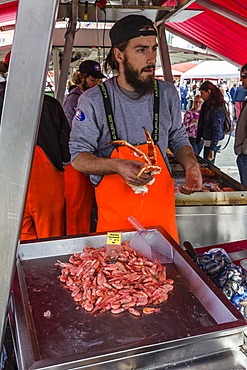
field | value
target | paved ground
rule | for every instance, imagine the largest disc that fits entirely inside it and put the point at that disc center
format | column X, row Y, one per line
column 226, row 160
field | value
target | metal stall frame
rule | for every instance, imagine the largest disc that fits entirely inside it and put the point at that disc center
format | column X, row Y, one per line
column 19, row 126
column 20, row 121
column 25, row 87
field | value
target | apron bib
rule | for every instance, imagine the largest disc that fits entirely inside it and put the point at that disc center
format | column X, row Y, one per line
column 117, row 201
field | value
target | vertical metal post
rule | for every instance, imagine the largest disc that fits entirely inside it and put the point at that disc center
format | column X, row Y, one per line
column 67, row 52
column 164, row 54
column 55, row 56
column 20, row 121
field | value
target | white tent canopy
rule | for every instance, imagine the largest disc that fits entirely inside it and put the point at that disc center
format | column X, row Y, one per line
column 212, row 70
column 159, row 72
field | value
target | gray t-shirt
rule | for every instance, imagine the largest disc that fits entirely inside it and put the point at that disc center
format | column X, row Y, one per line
column 90, row 132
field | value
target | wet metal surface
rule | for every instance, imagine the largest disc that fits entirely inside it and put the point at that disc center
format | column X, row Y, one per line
column 196, row 320
column 70, row 330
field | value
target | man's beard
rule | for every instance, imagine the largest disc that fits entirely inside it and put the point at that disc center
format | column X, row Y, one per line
column 132, row 76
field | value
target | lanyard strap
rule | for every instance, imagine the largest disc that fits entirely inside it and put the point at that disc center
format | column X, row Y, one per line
column 155, row 134
column 108, row 110
column 110, row 118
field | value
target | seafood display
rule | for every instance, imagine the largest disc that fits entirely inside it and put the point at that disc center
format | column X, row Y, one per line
column 132, row 281
column 213, row 181
column 210, row 183
column 149, row 158
column 231, row 279
column 54, row 331
column 213, row 264
column 207, row 172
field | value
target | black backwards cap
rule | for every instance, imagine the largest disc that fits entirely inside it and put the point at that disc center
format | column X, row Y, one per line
column 92, row 68
column 129, row 27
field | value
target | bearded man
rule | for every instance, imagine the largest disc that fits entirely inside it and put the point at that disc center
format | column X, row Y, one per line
column 118, row 110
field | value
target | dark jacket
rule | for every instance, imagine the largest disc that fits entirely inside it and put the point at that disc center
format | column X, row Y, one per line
column 210, row 124
column 54, row 130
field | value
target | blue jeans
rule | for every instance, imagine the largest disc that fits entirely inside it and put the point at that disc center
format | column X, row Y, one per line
column 242, row 168
column 183, row 101
column 197, row 147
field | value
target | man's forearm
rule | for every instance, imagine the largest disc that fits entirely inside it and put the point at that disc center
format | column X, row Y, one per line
column 127, row 169
column 186, row 157
column 91, row 164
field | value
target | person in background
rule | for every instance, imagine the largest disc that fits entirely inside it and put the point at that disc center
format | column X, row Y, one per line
column 79, row 192
column 232, row 90
column 240, row 144
column 233, row 108
column 226, row 95
column 190, row 97
column 132, row 99
column 183, row 96
column 191, row 123
column 44, row 208
column 212, row 117
column 89, row 75
column 238, row 98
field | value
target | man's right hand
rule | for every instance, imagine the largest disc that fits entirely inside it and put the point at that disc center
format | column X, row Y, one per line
column 128, row 170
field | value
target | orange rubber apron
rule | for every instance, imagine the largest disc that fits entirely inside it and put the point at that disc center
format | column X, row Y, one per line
column 117, row 201
column 79, row 196
column 44, row 209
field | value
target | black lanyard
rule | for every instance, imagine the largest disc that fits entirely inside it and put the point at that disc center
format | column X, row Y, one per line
column 110, row 118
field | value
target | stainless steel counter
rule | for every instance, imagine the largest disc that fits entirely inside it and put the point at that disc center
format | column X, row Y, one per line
column 196, row 324
column 207, row 218
column 207, row 225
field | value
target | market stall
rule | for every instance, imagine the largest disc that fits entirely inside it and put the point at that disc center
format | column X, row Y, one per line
column 210, row 331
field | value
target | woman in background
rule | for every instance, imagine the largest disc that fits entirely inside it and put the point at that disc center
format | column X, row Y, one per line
column 191, row 122
column 212, row 117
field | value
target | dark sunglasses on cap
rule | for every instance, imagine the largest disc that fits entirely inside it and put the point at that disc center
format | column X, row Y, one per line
column 243, row 75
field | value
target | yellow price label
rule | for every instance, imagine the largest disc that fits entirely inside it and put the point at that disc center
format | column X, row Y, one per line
column 114, row 238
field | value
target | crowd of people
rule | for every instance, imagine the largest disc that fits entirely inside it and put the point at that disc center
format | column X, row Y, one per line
column 89, row 152
column 204, row 124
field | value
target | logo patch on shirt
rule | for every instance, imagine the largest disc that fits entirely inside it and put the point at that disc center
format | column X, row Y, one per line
column 80, row 116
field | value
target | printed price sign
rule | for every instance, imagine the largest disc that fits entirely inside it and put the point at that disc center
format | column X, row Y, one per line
column 114, row 238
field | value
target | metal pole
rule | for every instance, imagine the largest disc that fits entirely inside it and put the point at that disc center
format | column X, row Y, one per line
column 55, row 55
column 20, row 122
column 67, row 52
column 164, row 54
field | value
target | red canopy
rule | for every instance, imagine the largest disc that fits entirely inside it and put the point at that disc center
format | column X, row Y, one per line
column 183, row 67
column 8, row 14
column 221, row 27
column 226, row 34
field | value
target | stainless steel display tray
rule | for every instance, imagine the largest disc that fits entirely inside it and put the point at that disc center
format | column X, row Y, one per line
column 196, row 320
column 236, row 197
